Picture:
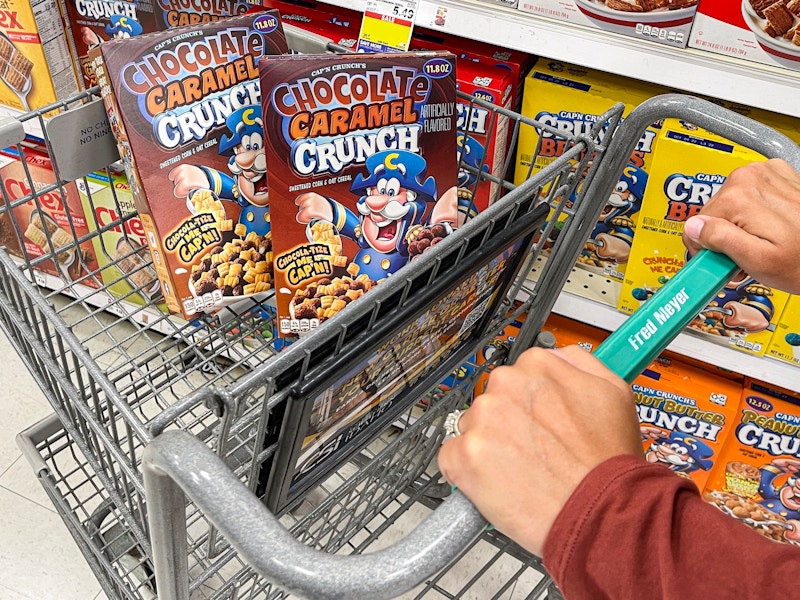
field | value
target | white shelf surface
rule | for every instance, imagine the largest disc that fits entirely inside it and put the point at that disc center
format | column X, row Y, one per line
column 685, row 69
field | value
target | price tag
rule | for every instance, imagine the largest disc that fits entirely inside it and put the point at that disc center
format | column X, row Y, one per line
column 387, row 25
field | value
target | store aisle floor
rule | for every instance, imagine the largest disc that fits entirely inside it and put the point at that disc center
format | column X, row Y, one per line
column 38, row 558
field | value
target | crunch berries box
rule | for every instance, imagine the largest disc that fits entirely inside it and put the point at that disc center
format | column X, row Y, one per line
column 361, row 155
column 785, row 342
column 755, row 480
column 185, row 108
column 691, row 165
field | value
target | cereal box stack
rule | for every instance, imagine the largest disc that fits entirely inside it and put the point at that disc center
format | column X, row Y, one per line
column 185, row 107
column 755, row 479
column 570, row 99
column 690, row 166
column 93, row 22
column 35, row 64
column 763, row 31
column 361, row 157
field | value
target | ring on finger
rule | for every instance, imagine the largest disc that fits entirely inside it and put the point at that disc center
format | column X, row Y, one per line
column 451, row 423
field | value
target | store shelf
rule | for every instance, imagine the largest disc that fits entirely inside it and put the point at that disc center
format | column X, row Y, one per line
column 593, row 311
column 687, row 69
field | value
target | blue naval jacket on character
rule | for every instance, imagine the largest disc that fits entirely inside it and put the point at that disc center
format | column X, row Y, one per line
column 409, row 169
column 771, row 493
column 633, row 180
column 241, row 122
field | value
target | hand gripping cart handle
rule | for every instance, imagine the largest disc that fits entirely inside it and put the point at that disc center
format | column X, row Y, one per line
column 176, row 463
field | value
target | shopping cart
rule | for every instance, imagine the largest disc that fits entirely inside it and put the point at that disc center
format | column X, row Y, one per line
column 123, row 376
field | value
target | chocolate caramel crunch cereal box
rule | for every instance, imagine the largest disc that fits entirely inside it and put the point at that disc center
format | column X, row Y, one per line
column 96, row 21
column 690, row 167
column 755, row 480
column 185, row 107
column 361, row 157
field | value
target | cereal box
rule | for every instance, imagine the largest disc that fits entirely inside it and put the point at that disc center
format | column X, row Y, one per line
column 785, row 342
column 185, row 107
column 45, row 230
column 762, row 31
column 483, row 134
column 361, row 157
column 685, row 415
column 570, row 99
column 126, row 268
column 93, row 22
column 666, row 22
column 755, row 480
column 690, row 166
column 35, row 64
column 340, row 27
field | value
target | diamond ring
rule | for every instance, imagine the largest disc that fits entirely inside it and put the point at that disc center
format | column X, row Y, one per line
column 451, row 423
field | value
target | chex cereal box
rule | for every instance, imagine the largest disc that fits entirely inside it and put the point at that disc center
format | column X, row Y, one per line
column 665, row 22
column 785, row 342
column 50, row 223
column 685, row 415
column 763, row 31
column 126, row 268
column 361, row 152
column 570, row 99
column 755, row 479
column 185, row 107
column 35, row 64
column 93, row 22
column 690, row 167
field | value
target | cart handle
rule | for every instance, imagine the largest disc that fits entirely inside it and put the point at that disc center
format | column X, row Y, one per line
column 176, row 463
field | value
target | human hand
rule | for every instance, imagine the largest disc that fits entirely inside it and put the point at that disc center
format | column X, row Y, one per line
column 541, row 427
column 754, row 218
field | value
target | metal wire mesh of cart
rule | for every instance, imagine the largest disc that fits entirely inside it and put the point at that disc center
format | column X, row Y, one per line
column 119, row 371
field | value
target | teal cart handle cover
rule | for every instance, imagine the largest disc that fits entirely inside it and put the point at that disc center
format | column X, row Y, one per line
column 643, row 336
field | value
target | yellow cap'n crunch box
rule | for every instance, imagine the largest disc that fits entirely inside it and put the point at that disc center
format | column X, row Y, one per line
column 570, row 99
column 685, row 414
column 35, row 64
column 691, row 165
column 785, row 342
column 755, row 479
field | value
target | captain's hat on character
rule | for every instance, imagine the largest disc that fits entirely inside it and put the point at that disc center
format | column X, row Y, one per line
column 697, row 449
column 404, row 166
column 241, row 122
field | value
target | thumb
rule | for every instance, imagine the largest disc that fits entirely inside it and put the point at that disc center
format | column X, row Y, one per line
column 720, row 235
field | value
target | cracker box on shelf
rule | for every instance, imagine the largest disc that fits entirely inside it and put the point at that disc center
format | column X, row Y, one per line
column 185, row 107
column 690, row 166
column 50, row 224
column 785, row 342
column 570, row 98
column 662, row 21
column 755, row 480
column 35, row 64
column 361, row 158
column 685, row 415
column 756, row 30
column 93, row 22
column 126, row 268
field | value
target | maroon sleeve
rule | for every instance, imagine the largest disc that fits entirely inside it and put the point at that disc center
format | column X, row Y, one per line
column 636, row 530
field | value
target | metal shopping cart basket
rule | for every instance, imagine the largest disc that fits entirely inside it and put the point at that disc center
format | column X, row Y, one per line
column 121, row 374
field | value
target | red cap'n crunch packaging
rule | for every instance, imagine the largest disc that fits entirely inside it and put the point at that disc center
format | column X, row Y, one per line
column 685, row 415
column 755, row 479
column 341, row 27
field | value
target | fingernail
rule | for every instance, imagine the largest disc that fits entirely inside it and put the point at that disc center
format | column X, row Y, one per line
column 693, row 226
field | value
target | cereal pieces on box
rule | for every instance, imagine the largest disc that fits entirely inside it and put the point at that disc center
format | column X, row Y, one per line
column 236, row 268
